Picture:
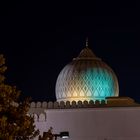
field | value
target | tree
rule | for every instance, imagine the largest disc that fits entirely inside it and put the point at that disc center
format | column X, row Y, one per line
column 15, row 123
column 47, row 135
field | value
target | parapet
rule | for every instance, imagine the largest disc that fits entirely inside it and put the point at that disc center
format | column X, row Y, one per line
column 109, row 102
column 121, row 101
column 67, row 104
column 37, row 109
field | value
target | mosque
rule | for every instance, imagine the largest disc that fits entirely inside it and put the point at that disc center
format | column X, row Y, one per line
column 88, row 105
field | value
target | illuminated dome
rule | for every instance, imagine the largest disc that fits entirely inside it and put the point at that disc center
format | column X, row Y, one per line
column 87, row 77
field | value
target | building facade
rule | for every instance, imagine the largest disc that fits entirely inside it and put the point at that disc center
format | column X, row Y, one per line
column 88, row 105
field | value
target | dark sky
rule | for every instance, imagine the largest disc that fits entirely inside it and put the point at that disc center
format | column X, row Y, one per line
column 38, row 43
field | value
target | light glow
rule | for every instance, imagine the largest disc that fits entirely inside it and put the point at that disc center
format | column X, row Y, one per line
column 86, row 78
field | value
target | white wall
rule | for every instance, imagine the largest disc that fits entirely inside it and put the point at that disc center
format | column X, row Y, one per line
column 118, row 123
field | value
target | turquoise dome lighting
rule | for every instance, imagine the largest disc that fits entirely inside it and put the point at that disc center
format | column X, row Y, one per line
column 86, row 78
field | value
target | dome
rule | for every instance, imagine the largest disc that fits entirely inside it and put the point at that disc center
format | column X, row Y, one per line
column 87, row 77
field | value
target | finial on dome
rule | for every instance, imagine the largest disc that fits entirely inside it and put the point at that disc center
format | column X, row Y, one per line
column 87, row 42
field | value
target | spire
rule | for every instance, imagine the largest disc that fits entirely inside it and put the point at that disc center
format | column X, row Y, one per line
column 86, row 53
column 87, row 42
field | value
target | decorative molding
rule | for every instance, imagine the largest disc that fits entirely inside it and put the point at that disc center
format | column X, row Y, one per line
column 109, row 102
column 37, row 109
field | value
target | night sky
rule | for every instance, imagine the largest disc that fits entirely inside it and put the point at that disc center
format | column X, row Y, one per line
column 37, row 44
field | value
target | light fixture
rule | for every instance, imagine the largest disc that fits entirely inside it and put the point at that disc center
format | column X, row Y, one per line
column 63, row 135
column 49, row 135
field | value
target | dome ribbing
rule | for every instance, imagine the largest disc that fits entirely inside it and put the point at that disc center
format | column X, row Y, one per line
column 86, row 78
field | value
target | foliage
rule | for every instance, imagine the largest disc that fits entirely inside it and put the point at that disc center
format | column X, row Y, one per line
column 15, row 123
column 47, row 135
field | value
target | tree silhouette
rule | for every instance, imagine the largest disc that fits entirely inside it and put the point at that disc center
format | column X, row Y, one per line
column 47, row 135
column 15, row 123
